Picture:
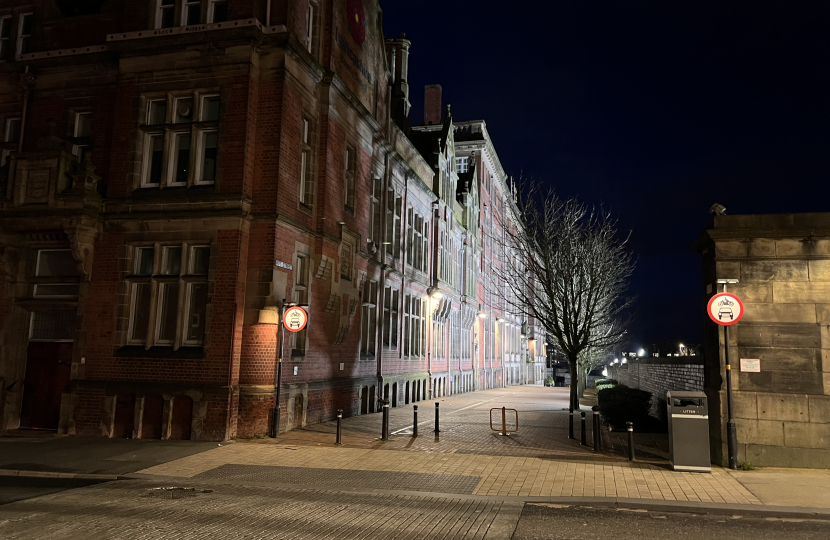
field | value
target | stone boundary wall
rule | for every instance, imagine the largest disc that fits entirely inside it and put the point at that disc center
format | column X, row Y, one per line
column 658, row 377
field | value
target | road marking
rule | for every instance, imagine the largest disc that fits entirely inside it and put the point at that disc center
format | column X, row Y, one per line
column 409, row 427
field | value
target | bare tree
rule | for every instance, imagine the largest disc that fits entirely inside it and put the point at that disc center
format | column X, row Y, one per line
column 588, row 359
column 566, row 266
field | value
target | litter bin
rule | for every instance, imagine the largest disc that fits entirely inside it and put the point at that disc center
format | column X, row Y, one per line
column 688, row 415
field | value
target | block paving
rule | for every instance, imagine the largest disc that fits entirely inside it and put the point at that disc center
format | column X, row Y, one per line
column 538, row 461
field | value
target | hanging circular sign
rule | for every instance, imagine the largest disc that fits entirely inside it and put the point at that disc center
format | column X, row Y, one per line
column 295, row 319
column 725, row 309
column 357, row 21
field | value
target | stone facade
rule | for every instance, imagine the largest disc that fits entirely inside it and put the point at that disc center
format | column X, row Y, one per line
column 783, row 264
column 172, row 178
column 660, row 375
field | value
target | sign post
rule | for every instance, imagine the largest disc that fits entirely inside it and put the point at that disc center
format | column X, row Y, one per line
column 293, row 319
column 726, row 309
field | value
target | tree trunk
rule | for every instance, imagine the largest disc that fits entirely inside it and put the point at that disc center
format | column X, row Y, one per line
column 582, row 382
column 574, row 395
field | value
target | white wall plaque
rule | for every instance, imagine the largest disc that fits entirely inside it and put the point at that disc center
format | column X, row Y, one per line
column 750, row 365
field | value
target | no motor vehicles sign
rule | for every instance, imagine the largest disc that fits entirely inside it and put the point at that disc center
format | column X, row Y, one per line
column 295, row 319
column 725, row 309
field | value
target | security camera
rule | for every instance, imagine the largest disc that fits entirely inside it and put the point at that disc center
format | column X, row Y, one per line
column 717, row 209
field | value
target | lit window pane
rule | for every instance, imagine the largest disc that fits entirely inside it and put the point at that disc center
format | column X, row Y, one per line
column 196, row 316
column 56, row 263
column 211, row 149
column 141, row 311
column 167, row 313
column 210, row 108
column 172, row 261
column 199, row 260
column 158, row 112
column 144, row 261
column 181, row 168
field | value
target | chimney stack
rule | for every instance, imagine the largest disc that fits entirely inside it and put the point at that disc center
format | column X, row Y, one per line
column 398, row 50
column 432, row 104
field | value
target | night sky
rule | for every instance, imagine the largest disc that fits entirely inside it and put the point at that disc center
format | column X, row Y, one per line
column 654, row 109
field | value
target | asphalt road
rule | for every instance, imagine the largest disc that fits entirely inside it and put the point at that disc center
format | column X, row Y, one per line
column 14, row 488
column 569, row 522
column 91, row 455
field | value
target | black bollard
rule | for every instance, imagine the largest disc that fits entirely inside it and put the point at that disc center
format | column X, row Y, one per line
column 436, row 418
column 385, row 429
column 571, row 423
column 630, row 427
column 597, row 434
column 584, row 436
column 338, row 440
column 414, row 420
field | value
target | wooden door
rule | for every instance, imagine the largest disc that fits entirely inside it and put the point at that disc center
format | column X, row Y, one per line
column 48, row 366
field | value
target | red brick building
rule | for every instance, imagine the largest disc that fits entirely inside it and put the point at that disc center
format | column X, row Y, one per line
column 174, row 171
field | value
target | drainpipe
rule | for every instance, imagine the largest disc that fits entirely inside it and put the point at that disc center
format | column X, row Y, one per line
column 27, row 82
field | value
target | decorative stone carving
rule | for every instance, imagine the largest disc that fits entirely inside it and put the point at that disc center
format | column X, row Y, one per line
column 37, row 186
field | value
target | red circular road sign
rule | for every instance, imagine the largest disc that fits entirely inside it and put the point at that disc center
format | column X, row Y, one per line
column 725, row 309
column 295, row 319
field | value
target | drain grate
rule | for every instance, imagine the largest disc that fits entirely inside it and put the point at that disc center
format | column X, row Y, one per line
column 345, row 478
column 175, row 492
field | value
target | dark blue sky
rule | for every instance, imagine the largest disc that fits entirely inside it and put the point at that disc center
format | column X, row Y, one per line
column 655, row 109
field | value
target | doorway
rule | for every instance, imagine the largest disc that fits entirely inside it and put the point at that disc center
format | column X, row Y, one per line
column 48, row 366
column 364, row 400
column 298, row 411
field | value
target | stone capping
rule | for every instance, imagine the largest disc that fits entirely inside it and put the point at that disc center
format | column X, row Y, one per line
column 241, row 23
column 697, row 360
column 62, row 52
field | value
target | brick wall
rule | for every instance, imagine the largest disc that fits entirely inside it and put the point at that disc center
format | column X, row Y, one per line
column 658, row 377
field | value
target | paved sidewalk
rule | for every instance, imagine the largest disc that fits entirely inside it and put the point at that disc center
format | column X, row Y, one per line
column 465, row 459
column 497, row 475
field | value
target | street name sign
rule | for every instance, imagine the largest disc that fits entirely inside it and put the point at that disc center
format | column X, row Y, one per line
column 295, row 319
column 280, row 264
column 725, row 309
